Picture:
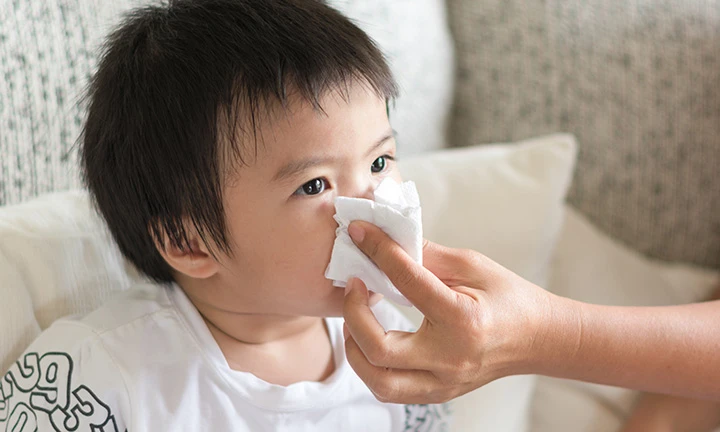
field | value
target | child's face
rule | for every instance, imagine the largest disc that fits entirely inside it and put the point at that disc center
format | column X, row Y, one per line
column 280, row 208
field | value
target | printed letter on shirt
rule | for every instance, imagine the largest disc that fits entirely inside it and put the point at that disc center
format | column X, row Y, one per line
column 39, row 390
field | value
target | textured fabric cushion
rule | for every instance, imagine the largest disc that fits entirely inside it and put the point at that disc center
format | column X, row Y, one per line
column 47, row 53
column 638, row 82
column 48, row 49
column 590, row 266
column 57, row 258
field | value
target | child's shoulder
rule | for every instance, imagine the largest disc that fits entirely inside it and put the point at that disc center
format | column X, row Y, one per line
column 143, row 301
column 128, row 312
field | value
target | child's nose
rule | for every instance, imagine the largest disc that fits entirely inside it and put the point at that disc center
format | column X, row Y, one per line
column 366, row 192
column 369, row 193
column 361, row 188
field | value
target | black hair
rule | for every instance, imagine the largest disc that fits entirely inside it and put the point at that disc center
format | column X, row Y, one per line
column 173, row 84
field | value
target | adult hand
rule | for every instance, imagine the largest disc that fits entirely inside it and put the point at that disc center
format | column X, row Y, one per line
column 481, row 321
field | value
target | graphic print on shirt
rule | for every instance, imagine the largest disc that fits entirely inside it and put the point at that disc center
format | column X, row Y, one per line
column 38, row 386
column 427, row 418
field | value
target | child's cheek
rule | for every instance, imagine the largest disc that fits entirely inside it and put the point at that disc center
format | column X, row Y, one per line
column 312, row 231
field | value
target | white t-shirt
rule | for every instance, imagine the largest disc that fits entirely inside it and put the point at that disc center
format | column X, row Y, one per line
column 146, row 361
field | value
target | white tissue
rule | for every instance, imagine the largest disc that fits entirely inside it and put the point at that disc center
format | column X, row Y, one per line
column 396, row 210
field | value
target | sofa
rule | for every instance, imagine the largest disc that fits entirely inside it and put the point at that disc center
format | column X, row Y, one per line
column 637, row 84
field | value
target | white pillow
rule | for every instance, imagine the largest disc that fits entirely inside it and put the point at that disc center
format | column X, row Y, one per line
column 505, row 201
column 590, row 266
column 56, row 257
column 416, row 40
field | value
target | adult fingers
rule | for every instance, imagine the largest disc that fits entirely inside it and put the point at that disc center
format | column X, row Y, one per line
column 424, row 290
column 397, row 385
column 359, row 318
column 387, row 349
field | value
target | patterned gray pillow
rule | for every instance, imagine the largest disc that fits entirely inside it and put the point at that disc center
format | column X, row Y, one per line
column 638, row 82
column 48, row 49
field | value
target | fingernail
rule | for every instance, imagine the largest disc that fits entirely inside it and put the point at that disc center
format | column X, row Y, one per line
column 375, row 299
column 349, row 285
column 356, row 232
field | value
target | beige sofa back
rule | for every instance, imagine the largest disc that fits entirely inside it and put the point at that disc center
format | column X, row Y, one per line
column 638, row 83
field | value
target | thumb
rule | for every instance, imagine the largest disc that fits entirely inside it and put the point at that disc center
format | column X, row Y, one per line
column 418, row 284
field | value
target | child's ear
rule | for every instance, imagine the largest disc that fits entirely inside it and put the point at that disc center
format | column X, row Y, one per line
column 196, row 261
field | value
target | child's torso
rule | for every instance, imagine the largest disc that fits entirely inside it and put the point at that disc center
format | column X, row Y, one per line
column 147, row 362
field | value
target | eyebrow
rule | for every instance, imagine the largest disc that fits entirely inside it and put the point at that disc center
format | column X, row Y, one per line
column 294, row 168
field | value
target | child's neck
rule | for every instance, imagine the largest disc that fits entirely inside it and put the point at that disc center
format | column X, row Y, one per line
column 278, row 349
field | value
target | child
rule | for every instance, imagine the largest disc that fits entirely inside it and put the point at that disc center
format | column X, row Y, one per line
column 664, row 413
column 218, row 134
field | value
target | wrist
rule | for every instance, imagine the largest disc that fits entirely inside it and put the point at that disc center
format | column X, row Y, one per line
column 544, row 331
column 555, row 339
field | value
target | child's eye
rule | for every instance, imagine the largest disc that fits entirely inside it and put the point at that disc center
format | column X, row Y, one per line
column 380, row 164
column 313, row 187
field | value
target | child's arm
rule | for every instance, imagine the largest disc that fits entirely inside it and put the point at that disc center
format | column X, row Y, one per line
column 663, row 413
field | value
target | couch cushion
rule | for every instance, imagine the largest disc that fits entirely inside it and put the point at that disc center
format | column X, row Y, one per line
column 637, row 82
column 590, row 266
column 57, row 258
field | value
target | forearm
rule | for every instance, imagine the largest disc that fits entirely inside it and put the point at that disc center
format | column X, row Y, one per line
column 673, row 349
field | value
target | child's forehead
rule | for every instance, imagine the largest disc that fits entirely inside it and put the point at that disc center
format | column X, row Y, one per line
column 298, row 126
